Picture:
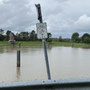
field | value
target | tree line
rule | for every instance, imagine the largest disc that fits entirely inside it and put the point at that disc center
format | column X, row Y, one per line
column 21, row 36
column 85, row 38
column 32, row 36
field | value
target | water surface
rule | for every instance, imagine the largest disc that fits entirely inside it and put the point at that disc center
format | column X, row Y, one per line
column 65, row 62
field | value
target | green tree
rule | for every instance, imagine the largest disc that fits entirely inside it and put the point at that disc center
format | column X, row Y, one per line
column 49, row 35
column 33, row 36
column 24, row 36
column 17, row 37
column 2, row 37
column 86, row 38
column 7, row 34
column 75, row 37
column 60, row 39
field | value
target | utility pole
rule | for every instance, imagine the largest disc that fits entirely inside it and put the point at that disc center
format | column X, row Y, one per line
column 38, row 7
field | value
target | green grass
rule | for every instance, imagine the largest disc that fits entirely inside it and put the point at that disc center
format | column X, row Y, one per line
column 23, row 43
column 4, row 43
column 38, row 43
column 83, row 45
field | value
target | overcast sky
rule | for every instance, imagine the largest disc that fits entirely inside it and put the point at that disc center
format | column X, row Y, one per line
column 63, row 17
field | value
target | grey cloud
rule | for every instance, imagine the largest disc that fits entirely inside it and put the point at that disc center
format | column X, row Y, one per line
column 15, row 15
column 62, row 16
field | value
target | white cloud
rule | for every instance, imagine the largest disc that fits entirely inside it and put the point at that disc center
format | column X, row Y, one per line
column 83, row 21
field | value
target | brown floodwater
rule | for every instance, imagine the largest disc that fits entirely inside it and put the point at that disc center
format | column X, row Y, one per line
column 65, row 63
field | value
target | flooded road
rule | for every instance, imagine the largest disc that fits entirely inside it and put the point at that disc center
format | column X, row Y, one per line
column 65, row 62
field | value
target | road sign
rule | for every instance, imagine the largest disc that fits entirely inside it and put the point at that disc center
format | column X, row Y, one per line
column 41, row 30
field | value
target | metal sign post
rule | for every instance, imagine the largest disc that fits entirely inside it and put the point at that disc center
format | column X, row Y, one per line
column 46, row 58
column 42, row 34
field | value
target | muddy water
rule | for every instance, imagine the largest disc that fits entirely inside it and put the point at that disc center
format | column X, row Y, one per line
column 65, row 62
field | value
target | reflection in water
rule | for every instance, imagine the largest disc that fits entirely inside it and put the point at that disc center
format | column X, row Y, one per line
column 65, row 62
column 6, row 49
column 18, row 73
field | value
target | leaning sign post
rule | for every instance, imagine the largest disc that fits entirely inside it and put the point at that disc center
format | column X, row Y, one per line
column 42, row 34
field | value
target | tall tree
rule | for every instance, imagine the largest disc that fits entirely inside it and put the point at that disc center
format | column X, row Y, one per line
column 24, row 36
column 75, row 37
column 7, row 34
column 49, row 35
column 33, row 36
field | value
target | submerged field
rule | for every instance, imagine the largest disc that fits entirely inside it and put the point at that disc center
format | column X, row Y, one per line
column 64, row 62
column 39, row 43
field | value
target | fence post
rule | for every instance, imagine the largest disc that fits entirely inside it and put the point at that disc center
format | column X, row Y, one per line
column 18, row 58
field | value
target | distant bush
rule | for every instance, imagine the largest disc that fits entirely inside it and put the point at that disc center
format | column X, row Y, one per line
column 49, row 40
column 66, row 40
column 55, row 39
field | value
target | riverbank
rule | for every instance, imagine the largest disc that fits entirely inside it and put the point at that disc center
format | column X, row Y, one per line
column 38, row 43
